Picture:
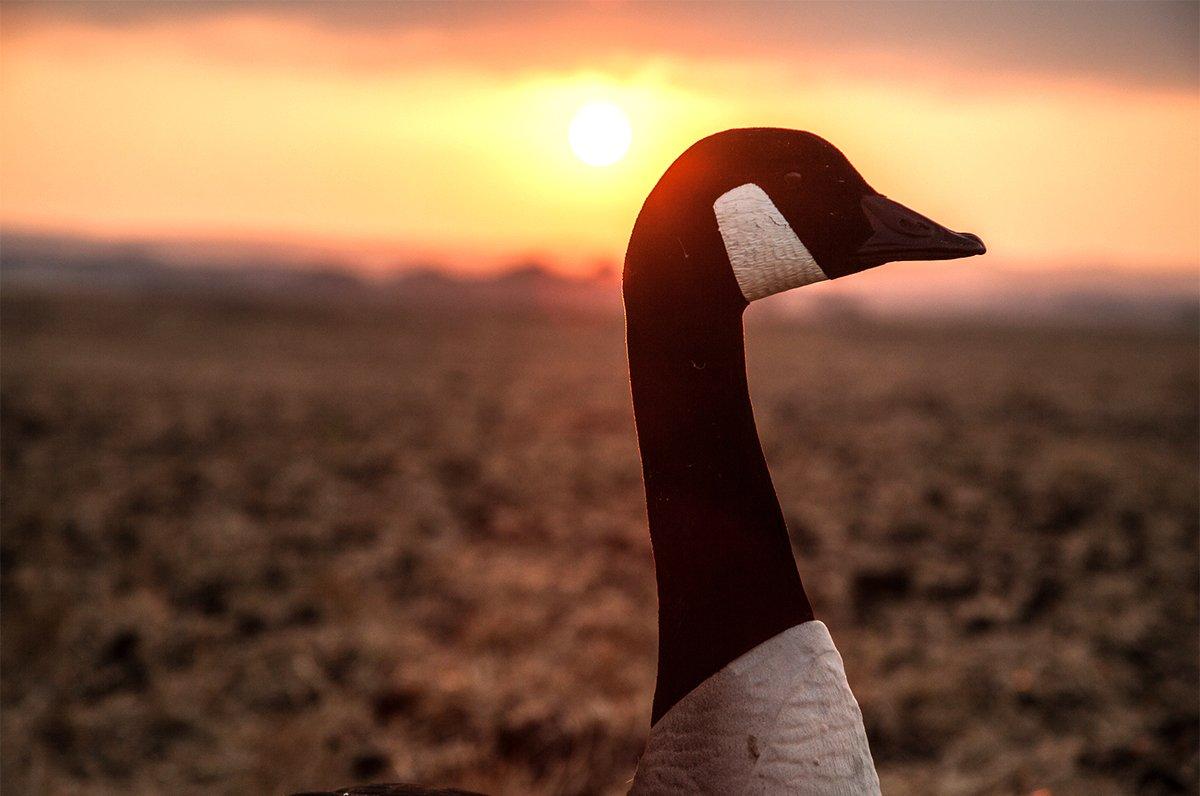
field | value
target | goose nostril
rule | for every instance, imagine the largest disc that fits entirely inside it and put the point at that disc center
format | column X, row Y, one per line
column 914, row 227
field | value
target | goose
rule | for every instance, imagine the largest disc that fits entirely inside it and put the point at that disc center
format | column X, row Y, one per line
column 751, row 694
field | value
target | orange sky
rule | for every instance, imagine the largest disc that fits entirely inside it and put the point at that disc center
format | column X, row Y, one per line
column 1065, row 134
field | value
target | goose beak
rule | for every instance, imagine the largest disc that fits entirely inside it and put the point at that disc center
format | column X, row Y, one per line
column 903, row 234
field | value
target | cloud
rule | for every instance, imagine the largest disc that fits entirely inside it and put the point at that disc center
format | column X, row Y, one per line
column 1146, row 44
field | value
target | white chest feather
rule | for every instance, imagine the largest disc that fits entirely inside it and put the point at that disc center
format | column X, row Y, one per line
column 779, row 719
column 764, row 251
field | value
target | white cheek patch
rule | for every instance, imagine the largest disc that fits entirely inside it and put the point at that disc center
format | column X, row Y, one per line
column 764, row 251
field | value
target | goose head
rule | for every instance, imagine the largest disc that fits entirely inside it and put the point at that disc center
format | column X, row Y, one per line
column 748, row 213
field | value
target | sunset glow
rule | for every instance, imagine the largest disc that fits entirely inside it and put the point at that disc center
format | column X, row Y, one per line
column 385, row 135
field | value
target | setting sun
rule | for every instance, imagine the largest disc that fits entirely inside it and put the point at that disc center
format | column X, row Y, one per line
column 600, row 134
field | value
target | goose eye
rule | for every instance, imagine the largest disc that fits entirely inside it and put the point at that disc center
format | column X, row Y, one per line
column 793, row 178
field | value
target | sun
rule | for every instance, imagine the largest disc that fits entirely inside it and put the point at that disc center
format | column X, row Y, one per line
column 600, row 134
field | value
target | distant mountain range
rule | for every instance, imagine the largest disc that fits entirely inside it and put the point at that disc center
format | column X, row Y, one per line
column 53, row 263
column 976, row 290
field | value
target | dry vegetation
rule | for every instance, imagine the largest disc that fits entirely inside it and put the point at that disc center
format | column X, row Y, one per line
column 251, row 548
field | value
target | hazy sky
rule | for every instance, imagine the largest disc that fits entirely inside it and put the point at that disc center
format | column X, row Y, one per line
column 1065, row 134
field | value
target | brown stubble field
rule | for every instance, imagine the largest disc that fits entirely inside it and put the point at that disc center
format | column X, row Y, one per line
column 254, row 547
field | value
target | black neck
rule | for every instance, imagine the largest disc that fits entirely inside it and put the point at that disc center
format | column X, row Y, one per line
column 727, row 580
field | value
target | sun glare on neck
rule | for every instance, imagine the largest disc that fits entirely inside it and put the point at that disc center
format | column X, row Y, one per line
column 600, row 134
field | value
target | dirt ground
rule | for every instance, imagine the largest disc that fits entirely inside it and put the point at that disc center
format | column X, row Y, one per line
column 250, row 548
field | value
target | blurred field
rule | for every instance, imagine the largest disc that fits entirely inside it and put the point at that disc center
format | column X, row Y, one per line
column 251, row 547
